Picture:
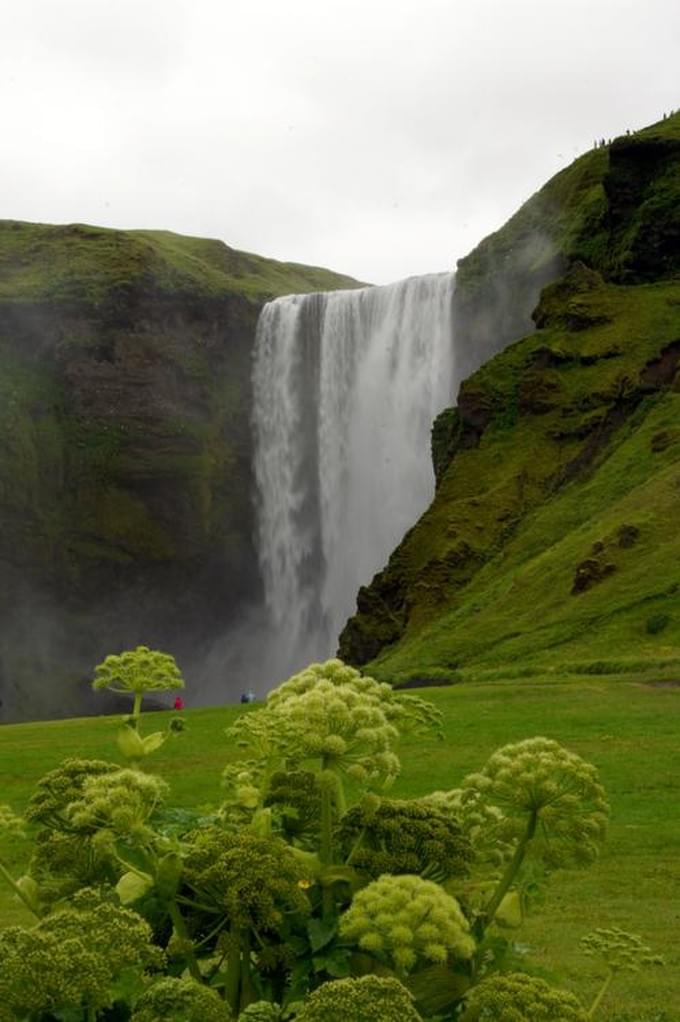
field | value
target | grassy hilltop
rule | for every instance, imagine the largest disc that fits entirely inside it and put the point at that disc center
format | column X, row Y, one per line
column 551, row 542
column 90, row 265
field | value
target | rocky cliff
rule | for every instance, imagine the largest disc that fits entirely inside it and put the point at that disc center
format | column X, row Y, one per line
column 125, row 487
column 551, row 540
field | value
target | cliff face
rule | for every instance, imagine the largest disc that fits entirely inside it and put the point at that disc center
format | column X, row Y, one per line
column 549, row 537
column 125, row 487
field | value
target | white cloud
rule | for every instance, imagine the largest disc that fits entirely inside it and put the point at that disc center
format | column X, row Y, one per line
column 378, row 138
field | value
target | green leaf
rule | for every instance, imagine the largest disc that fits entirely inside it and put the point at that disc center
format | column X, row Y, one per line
column 154, row 741
column 130, row 743
column 137, row 857
column 298, row 982
column 333, row 874
column 366, row 965
column 336, row 963
column 168, row 875
column 310, row 860
column 509, row 913
column 436, row 988
column 174, row 821
column 261, row 823
column 133, row 886
column 320, row 933
column 30, row 889
column 299, row 945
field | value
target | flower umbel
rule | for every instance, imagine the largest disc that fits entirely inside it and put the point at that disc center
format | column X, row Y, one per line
column 404, row 836
column 405, row 921
column 369, row 999
column 138, row 670
column 621, row 951
column 514, row 996
column 539, row 779
column 180, row 1000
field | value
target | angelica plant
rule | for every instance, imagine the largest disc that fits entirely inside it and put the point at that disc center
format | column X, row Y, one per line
column 180, row 1000
column 343, row 729
column 72, row 959
column 248, row 887
column 621, row 952
column 118, row 804
column 137, row 672
column 552, row 801
column 66, row 858
column 10, row 823
column 406, row 711
column 294, row 797
column 24, row 888
column 265, row 903
column 62, row 786
column 514, row 997
column 369, row 999
column 329, row 721
column 483, row 825
column 405, row 921
column 382, row 835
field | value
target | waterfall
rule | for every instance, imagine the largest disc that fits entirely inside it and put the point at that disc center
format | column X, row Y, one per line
column 346, row 385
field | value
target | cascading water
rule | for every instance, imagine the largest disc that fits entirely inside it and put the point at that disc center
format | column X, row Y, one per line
column 346, row 385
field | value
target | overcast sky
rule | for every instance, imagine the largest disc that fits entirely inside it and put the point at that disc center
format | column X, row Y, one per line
column 382, row 139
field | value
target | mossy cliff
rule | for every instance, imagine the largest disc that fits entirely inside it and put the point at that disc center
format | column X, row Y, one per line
column 552, row 540
column 125, row 489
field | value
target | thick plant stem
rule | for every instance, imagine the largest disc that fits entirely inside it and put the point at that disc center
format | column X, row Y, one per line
column 340, row 800
column 247, row 993
column 137, row 707
column 356, row 846
column 17, row 890
column 182, row 933
column 326, row 828
column 232, row 984
column 326, row 850
column 508, row 877
column 600, row 994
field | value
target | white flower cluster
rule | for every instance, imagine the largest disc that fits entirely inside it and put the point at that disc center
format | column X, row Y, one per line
column 138, row 670
column 620, row 950
column 402, row 709
column 514, row 997
column 539, row 778
column 482, row 824
column 369, row 999
column 119, row 803
column 330, row 713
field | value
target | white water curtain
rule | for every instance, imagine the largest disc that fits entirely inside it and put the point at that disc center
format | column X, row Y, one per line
column 346, row 385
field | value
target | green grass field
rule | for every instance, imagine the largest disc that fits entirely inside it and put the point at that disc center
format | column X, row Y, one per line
column 629, row 729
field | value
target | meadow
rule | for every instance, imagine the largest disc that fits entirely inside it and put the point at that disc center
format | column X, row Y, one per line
column 629, row 728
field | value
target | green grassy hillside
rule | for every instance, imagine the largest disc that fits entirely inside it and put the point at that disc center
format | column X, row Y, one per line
column 77, row 262
column 551, row 543
column 627, row 728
